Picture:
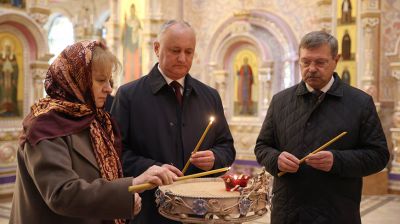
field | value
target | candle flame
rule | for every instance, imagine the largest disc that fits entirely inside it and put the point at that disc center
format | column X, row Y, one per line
column 211, row 119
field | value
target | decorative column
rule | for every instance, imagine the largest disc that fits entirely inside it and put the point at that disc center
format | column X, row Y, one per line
column 113, row 37
column 264, row 78
column 84, row 23
column 394, row 175
column 370, row 16
column 220, row 77
column 325, row 15
column 39, row 11
column 39, row 69
column 209, row 78
column 8, row 160
column 151, row 25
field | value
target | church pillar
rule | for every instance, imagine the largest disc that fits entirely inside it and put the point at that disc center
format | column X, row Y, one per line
column 39, row 11
column 220, row 77
column 113, row 37
column 151, row 25
column 394, row 175
column 325, row 15
column 38, row 70
column 370, row 16
column 264, row 78
column 84, row 24
column 368, row 74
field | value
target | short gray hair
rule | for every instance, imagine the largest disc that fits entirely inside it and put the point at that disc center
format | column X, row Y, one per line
column 316, row 39
column 170, row 23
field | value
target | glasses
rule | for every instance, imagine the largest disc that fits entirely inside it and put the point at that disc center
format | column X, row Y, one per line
column 319, row 63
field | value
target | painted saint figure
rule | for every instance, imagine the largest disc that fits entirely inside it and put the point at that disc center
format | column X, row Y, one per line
column 346, row 76
column 8, row 81
column 346, row 46
column 130, row 42
column 245, row 76
column 346, row 12
column 15, row 3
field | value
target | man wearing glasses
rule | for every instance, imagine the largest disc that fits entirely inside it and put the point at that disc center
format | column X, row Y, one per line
column 327, row 187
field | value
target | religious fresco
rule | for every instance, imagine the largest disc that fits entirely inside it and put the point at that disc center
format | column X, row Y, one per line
column 346, row 33
column 245, row 69
column 131, row 40
column 346, row 12
column 13, row 3
column 11, row 76
column 390, row 34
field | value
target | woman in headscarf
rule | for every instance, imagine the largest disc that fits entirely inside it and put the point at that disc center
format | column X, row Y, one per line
column 69, row 168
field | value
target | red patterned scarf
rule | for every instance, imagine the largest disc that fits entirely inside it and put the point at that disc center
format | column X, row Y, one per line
column 70, row 108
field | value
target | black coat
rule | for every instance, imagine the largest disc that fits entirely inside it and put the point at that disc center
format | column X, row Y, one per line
column 156, row 131
column 298, row 123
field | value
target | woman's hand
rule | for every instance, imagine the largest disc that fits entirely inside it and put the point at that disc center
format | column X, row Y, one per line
column 156, row 175
column 138, row 204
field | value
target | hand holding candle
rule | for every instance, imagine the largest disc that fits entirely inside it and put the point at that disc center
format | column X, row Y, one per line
column 146, row 186
column 319, row 149
column 203, row 159
column 199, row 143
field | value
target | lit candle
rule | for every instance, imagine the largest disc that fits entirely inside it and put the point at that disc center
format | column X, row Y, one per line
column 199, row 143
column 146, row 186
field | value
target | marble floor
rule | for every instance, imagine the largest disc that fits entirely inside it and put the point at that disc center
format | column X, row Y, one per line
column 382, row 209
column 377, row 209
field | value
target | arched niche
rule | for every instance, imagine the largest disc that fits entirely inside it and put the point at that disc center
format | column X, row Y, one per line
column 28, row 44
column 35, row 49
column 268, row 37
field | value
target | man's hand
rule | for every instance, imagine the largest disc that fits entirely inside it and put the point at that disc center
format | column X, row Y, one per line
column 138, row 204
column 156, row 175
column 322, row 160
column 288, row 162
column 203, row 160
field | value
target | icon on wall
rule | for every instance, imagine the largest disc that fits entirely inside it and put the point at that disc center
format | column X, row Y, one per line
column 245, row 82
column 9, row 77
column 131, row 46
column 346, row 78
column 246, row 88
column 346, row 46
column 346, row 12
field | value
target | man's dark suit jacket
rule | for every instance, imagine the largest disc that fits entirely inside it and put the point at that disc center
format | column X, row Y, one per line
column 156, row 131
column 108, row 103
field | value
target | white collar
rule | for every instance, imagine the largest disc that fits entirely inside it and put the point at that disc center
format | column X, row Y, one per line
column 168, row 80
column 323, row 89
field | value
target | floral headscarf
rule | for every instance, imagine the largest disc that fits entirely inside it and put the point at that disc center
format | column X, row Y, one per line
column 70, row 108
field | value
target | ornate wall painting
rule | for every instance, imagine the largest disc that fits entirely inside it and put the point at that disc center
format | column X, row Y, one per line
column 11, row 76
column 346, row 12
column 13, row 3
column 346, row 33
column 245, row 69
column 346, row 46
column 131, row 12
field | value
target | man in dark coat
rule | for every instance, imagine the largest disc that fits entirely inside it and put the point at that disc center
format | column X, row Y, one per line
column 161, row 126
column 327, row 188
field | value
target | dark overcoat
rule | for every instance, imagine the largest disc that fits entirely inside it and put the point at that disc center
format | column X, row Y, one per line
column 298, row 122
column 156, row 130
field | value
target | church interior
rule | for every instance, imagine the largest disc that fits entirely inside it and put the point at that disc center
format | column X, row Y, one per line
column 262, row 34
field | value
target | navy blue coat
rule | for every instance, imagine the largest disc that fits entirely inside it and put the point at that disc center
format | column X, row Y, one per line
column 299, row 123
column 156, row 130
